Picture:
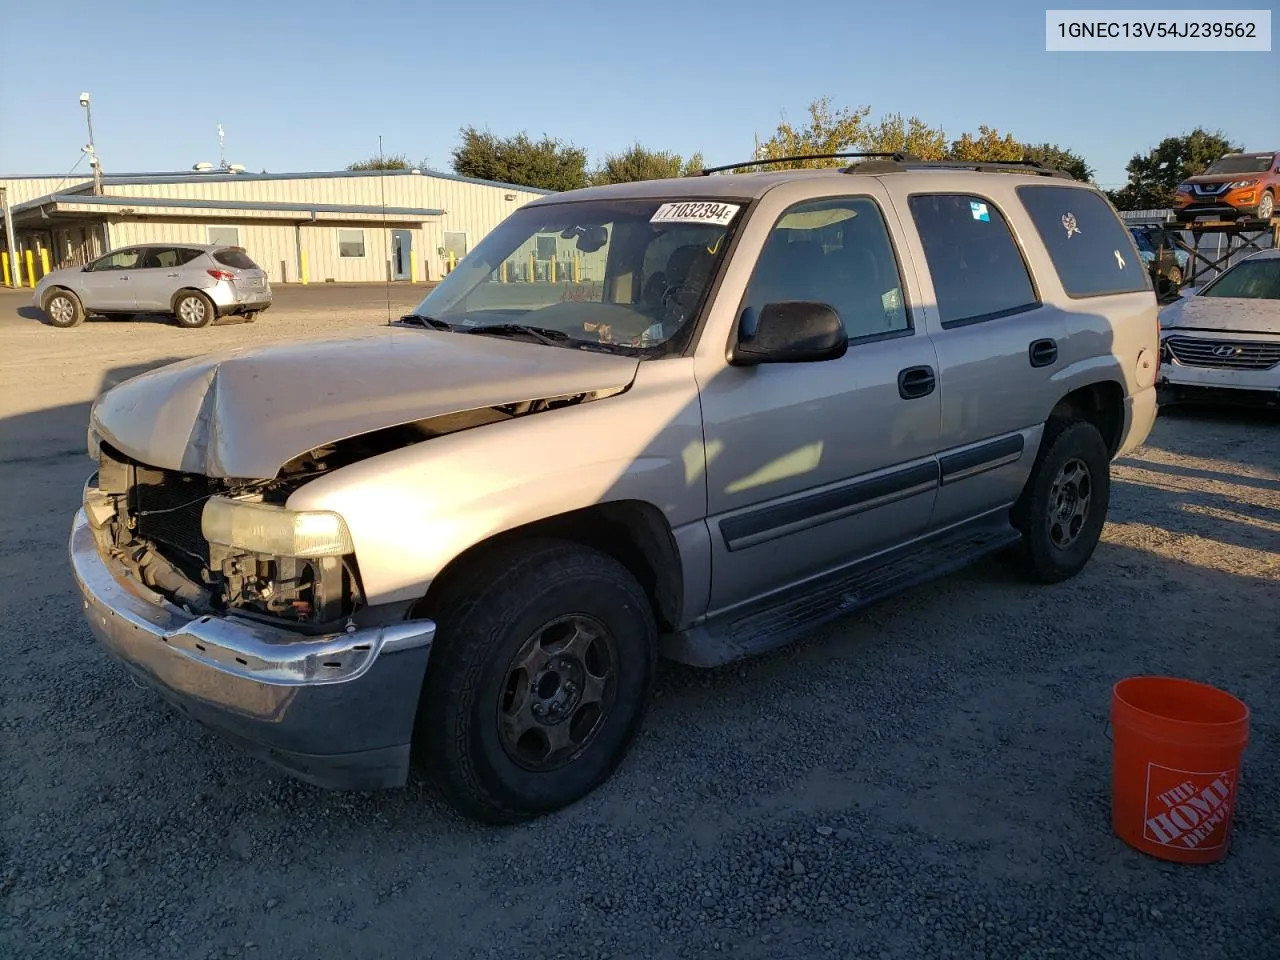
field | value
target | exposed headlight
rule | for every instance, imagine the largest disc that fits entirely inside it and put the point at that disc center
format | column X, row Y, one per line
column 1237, row 184
column 274, row 531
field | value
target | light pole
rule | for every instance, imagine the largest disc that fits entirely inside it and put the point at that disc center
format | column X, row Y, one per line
column 93, row 150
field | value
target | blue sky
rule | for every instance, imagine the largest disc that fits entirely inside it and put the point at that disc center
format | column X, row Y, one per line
column 312, row 86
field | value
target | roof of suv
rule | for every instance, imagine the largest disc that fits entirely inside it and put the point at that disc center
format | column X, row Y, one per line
column 756, row 184
column 207, row 247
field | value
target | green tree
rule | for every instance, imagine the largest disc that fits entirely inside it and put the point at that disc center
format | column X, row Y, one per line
column 396, row 161
column 828, row 131
column 547, row 164
column 640, row 163
column 893, row 134
column 1154, row 176
column 1052, row 155
column 989, row 144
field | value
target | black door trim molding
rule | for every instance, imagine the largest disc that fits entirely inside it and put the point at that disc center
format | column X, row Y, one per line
column 980, row 459
column 856, row 496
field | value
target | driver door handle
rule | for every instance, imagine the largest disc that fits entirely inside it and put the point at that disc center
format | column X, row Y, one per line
column 916, row 382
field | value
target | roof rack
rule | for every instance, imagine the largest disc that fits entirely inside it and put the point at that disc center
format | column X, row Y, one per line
column 707, row 171
column 899, row 163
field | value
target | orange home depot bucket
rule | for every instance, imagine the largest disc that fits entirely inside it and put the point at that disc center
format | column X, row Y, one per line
column 1175, row 765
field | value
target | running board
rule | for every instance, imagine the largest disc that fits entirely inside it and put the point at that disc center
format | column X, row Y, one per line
column 738, row 635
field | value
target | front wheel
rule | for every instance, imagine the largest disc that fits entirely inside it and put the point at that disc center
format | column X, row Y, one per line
column 539, row 680
column 63, row 308
column 1063, row 507
column 193, row 310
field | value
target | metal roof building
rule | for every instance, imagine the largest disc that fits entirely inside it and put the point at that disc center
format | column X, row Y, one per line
column 334, row 227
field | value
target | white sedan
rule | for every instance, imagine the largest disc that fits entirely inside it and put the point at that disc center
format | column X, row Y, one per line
column 1221, row 342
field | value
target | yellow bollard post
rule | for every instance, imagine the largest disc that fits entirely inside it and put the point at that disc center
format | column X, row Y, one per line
column 305, row 275
column 502, row 272
column 31, row 269
column 532, row 268
column 551, row 268
column 453, row 261
column 4, row 263
column 44, row 262
column 577, row 268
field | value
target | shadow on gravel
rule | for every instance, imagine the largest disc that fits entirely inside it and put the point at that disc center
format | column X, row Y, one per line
column 1212, row 515
column 1180, row 430
column 45, row 438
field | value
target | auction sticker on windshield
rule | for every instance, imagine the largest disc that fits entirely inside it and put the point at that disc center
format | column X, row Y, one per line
column 695, row 212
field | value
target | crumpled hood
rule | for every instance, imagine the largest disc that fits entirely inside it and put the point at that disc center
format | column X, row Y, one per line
column 1233, row 314
column 245, row 413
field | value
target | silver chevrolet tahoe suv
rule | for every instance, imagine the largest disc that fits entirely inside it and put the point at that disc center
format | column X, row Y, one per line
column 690, row 418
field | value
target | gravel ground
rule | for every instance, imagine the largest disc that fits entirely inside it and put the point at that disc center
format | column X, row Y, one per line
column 929, row 778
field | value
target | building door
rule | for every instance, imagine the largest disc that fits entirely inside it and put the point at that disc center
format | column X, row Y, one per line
column 401, row 255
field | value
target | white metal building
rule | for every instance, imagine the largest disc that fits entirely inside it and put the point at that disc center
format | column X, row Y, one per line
column 300, row 227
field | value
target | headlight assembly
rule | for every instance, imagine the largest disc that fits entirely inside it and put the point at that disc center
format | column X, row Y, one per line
column 274, row 531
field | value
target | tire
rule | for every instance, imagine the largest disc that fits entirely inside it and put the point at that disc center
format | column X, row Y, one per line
column 63, row 308
column 1267, row 206
column 1174, row 278
column 492, row 620
column 192, row 309
column 1056, row 541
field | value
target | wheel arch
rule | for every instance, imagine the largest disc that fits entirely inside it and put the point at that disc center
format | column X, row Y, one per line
column 633, row 532
column 58, row 288
column 182, row 292
column 1100, row 403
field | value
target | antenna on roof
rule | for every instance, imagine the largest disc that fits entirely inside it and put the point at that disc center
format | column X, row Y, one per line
column 222, row 155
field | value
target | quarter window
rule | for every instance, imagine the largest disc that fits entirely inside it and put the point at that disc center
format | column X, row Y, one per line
column 837, row 252
column 351, row 244
column 1088, row 244
column 977, row 269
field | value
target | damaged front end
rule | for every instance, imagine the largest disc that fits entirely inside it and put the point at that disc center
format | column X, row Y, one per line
column 215, row 547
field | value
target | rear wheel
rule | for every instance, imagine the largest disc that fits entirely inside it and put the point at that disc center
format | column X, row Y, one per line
column 63, row 308
column 539, row 680
column 1063, row 507
column 193, row 309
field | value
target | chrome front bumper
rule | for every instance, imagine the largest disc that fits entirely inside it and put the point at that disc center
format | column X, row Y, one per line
column 337, row 710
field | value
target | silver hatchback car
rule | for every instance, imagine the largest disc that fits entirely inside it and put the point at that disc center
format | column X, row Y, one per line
column 195, row 283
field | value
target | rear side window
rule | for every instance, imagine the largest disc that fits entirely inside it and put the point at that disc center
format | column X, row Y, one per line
column 1089, row 246
column 235, row 257
column 977, row 269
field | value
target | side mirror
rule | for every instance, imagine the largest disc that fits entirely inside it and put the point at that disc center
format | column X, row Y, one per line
column 791, row 331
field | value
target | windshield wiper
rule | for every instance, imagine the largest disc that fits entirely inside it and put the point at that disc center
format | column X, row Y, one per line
column 542, row 334
column 422, row 320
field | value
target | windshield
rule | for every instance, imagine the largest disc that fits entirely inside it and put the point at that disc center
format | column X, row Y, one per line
column 1241, row 165
column 630, row 274
column 1249, row 279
